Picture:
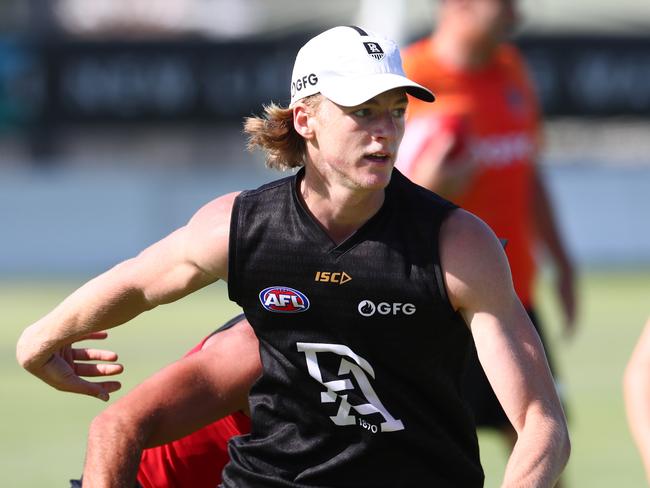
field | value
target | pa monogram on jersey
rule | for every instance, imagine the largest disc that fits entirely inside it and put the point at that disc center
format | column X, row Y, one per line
column 358, row 368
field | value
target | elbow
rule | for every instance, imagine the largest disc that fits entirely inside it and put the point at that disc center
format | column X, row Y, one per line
column 113, row 424
column 566, row 447
column 26, row 350
column 562, row 442
column 22, row 355
column 106, row 424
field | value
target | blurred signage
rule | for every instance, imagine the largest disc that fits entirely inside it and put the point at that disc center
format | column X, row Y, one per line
column 22, row 92
column 599, row 76
column 85, row 82
column 161, row 81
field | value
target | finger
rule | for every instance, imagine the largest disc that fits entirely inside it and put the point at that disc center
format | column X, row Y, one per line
column 110, row 386
column 67, row 354
column 59, row 374
column 91, row 370
column 100, row 390
column 93, row 355
column 94, row 336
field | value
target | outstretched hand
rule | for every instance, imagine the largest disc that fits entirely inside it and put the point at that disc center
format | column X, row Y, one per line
column 65, row 369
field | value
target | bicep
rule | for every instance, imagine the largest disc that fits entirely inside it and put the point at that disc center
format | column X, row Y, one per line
column 189, row 258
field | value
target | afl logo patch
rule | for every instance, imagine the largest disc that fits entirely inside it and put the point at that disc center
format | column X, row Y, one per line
column 283, row 299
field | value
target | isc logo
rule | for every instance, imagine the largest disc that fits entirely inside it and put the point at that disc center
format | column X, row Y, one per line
column 283, row 299
column 335, row 277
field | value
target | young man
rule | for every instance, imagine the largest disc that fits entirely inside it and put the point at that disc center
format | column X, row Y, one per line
column 477, row 146
column 363, row 289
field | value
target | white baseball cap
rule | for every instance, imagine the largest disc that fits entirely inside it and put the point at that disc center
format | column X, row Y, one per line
column 349, row 66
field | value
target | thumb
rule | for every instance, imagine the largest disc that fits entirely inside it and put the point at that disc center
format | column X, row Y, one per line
column 75, row 384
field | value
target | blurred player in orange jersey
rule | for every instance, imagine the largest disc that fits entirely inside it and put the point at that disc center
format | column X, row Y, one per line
column 477, row 145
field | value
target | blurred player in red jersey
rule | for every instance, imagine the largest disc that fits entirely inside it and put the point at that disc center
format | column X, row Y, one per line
column 198, row 458
column 478, row 144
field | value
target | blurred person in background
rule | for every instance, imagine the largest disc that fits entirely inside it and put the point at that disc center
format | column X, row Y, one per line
column 364, row 291
column 478, row 146
column 123, row 449
column 636, row 389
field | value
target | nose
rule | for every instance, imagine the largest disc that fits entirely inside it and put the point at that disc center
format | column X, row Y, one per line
column 387, row 126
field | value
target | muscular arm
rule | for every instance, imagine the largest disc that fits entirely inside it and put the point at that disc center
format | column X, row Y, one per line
column 509, row 349
column 636, row 389
column 180, row 399
column 185, row 261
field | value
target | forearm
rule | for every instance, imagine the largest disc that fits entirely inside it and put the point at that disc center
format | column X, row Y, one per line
column 104, row 302
column 448, row 180
column 113, row 453
column 546, row 224
column 539, row 455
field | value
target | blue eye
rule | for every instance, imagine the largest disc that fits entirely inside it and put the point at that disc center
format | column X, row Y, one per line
column 399, row 113
column 362, row 112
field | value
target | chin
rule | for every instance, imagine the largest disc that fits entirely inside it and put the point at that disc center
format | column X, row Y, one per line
column 376, row 181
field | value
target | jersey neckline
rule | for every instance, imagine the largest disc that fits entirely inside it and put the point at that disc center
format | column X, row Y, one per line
column 320, row 235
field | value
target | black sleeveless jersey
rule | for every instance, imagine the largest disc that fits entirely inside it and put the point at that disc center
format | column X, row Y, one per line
column 361, row 350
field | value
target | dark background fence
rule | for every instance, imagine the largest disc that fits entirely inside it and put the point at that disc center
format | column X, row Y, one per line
column 52, row 83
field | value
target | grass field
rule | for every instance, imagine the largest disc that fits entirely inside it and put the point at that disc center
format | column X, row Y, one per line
column 42, row 434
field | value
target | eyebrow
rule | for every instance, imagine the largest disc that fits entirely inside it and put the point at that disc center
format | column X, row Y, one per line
column 399, row 99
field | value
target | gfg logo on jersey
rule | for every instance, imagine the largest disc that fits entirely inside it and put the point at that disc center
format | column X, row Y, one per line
column 368, row 308
column 283, row 299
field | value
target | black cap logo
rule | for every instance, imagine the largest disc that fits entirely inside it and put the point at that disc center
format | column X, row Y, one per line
column 374, row 50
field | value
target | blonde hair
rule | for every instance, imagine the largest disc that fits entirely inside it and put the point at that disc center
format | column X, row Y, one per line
column 274, row 134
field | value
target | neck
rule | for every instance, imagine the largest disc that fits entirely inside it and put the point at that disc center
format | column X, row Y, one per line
column 340, row 210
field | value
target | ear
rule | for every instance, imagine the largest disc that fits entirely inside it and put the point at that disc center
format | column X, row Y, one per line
column 302, row 120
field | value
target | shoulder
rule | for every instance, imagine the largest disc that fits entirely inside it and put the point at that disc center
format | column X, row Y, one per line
column 472, row 258
column 509, row 54
column 268, row 191
column 416, row 50
column 214, row 213
column 206, row 236
column 416, row 197
column 418, row 61
column 217, row 213
column 510, row 58
column 468, row 231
